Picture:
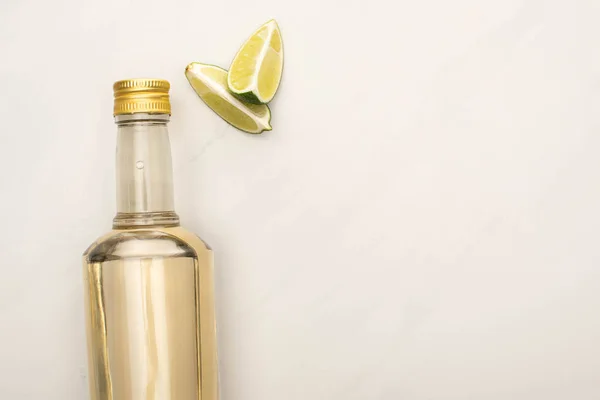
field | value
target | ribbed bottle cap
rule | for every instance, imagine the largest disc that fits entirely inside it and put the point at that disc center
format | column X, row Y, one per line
column 142, row 96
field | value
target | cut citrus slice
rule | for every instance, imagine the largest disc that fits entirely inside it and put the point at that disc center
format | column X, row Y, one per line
column 210, row 83
column 256, row 70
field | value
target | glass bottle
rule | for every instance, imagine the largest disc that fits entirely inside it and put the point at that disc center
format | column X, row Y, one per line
column 149, row 295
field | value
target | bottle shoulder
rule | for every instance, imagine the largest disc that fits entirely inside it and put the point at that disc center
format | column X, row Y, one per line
column 146, row 242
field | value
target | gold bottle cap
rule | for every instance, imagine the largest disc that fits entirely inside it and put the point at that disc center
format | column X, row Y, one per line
column 142, row 96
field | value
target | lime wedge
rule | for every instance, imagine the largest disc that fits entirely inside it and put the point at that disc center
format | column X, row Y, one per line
column 256, row 70
column 210, row 83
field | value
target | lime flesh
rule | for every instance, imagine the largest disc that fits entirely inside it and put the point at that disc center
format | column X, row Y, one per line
column 256, row 70
column 210, row 83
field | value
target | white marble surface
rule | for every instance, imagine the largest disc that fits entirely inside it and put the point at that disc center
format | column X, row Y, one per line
column 421, row 224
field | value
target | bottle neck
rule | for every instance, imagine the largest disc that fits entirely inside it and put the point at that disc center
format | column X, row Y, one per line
column 144, row 172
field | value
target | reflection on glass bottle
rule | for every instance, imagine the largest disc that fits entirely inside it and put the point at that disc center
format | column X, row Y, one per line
column 148, row 283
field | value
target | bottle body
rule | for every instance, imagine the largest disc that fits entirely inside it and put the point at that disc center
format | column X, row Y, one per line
column 150, row 316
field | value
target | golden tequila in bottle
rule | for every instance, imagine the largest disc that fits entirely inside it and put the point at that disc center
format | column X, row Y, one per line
column 149, row 296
